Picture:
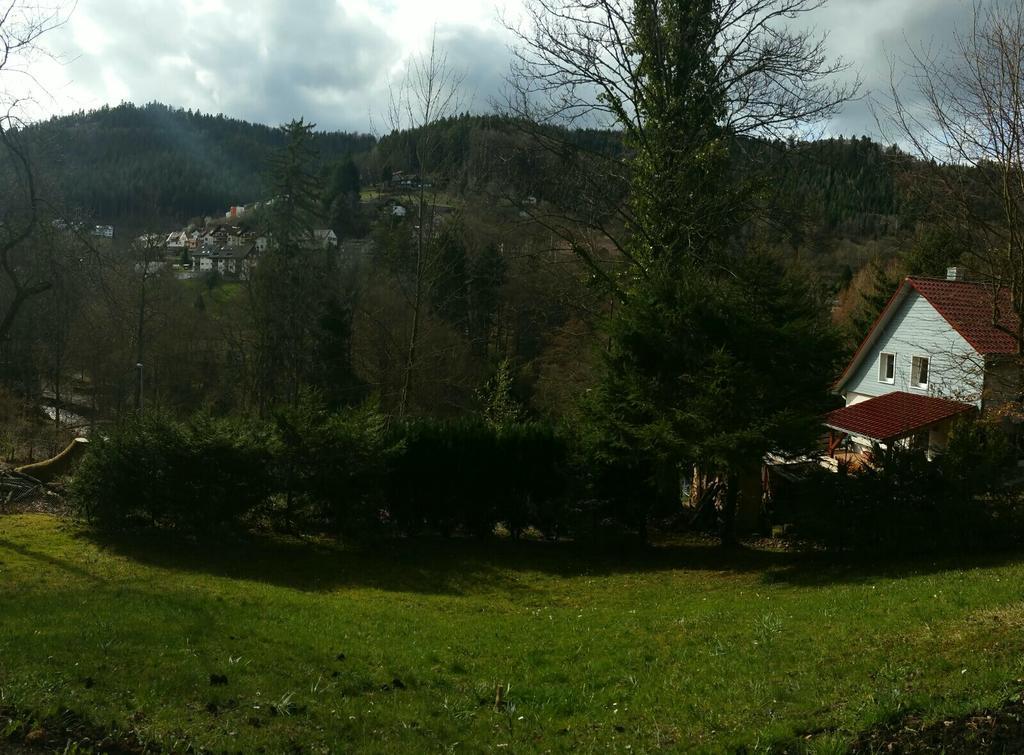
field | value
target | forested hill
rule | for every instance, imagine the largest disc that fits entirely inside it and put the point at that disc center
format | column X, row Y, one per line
column 835, row 188
column 128, row 164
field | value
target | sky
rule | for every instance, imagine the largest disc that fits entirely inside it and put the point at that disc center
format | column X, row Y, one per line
column 331, row 60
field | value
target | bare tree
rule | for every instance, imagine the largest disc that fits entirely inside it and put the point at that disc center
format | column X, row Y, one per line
column 576, row 62
column 589, row 63
column 148, row 252
column 689, row 85
column 22, row 25
column 55, row 315
column 960, row 109
column 429, row 92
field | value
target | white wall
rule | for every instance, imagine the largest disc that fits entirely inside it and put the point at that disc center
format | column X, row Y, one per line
column 917, row 329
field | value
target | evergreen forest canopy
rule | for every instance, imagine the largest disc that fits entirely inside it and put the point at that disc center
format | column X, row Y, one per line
column 129, row 165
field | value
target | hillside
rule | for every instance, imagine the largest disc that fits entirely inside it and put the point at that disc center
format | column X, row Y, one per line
column 838, row 188
column 835, row 202
column 270, row 646
column 129, row 163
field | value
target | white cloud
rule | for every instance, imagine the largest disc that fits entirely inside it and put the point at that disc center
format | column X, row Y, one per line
column 330, row 60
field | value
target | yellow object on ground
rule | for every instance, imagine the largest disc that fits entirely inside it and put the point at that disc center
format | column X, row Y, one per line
column 51, row 469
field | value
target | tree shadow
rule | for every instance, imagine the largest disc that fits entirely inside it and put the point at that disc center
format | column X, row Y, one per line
column 429, row 565
column 47, row 559
column 463, row 566
column 824, row 569
column 419, row 566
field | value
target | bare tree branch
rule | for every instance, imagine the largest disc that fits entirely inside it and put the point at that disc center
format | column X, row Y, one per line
column 430, row 91
column 960, row 110
column 577, row 63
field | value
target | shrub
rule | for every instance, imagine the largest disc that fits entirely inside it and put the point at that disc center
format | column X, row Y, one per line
column 311, row 470
column 331, row 468
column 468, row 476
column 202, row 475
column 905, row 503
column 228, row 473
column 533, row 459
column 445, row 479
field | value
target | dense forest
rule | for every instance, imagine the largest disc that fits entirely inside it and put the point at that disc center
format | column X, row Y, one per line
column 848, row 186
column 129, row 165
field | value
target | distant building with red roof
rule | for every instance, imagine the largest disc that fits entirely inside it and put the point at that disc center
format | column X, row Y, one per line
column 939, row 349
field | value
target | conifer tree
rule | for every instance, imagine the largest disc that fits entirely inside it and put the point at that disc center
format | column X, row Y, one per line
column 292, row 291
column 716, row 354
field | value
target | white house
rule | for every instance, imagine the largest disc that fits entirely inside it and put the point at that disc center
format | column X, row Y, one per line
column 177, row 240
column 326, row 238
column 232, row 262
column 939, row 349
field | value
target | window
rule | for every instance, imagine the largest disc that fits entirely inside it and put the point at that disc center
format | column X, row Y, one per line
column 919, row 372
column 887, row 368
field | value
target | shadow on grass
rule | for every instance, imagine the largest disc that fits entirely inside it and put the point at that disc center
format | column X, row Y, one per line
column 45, row 558
column 461, row 566
column 822, row 570
column 420, row 566
column 429, row 565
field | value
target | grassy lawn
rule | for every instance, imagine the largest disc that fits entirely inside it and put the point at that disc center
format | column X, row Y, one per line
column 223, row 294
column 410, row 196
column 678, row 647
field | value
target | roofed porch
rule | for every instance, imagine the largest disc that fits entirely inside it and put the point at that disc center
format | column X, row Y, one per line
column 893, row 418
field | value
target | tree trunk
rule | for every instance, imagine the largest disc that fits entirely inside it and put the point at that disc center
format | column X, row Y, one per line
column 140, row 335
column 414, row 333
column 730, row 506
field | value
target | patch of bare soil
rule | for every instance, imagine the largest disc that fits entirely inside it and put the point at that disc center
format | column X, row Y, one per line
column 1000, row 730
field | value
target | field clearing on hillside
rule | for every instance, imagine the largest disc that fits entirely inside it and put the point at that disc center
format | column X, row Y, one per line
column 401, row 647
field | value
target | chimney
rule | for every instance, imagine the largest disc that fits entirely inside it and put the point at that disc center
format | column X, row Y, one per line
column 956, row 273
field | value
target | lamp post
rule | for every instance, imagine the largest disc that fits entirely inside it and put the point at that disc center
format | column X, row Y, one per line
column 138, row 366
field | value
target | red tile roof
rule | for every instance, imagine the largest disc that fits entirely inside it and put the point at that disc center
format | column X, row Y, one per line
column 894, row 415
column 968, row 307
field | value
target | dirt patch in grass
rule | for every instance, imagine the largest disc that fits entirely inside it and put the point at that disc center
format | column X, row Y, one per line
column 62, row 732
column 997, row 730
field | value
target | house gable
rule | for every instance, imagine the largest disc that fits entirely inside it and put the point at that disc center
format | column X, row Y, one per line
column 912, row 327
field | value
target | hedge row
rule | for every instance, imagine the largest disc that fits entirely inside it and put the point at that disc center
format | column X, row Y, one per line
column 309, row 470
column 354, row 474
column 905, row 503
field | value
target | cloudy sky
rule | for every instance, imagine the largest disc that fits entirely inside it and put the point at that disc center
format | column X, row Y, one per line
column 330, row 60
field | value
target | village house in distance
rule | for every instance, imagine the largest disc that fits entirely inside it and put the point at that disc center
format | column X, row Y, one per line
column 940, row 349
column 224, row 248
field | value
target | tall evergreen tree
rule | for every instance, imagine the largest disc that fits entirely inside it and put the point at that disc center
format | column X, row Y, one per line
column 717, row 355
column 342, row 201
column 295, row 208
column 292, row 284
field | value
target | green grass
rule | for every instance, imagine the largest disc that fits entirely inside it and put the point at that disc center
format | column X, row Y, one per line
column 679, row 647
column 224, row 293
column 410, row 196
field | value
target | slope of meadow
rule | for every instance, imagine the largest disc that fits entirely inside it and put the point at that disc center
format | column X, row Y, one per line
column 402, row 647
